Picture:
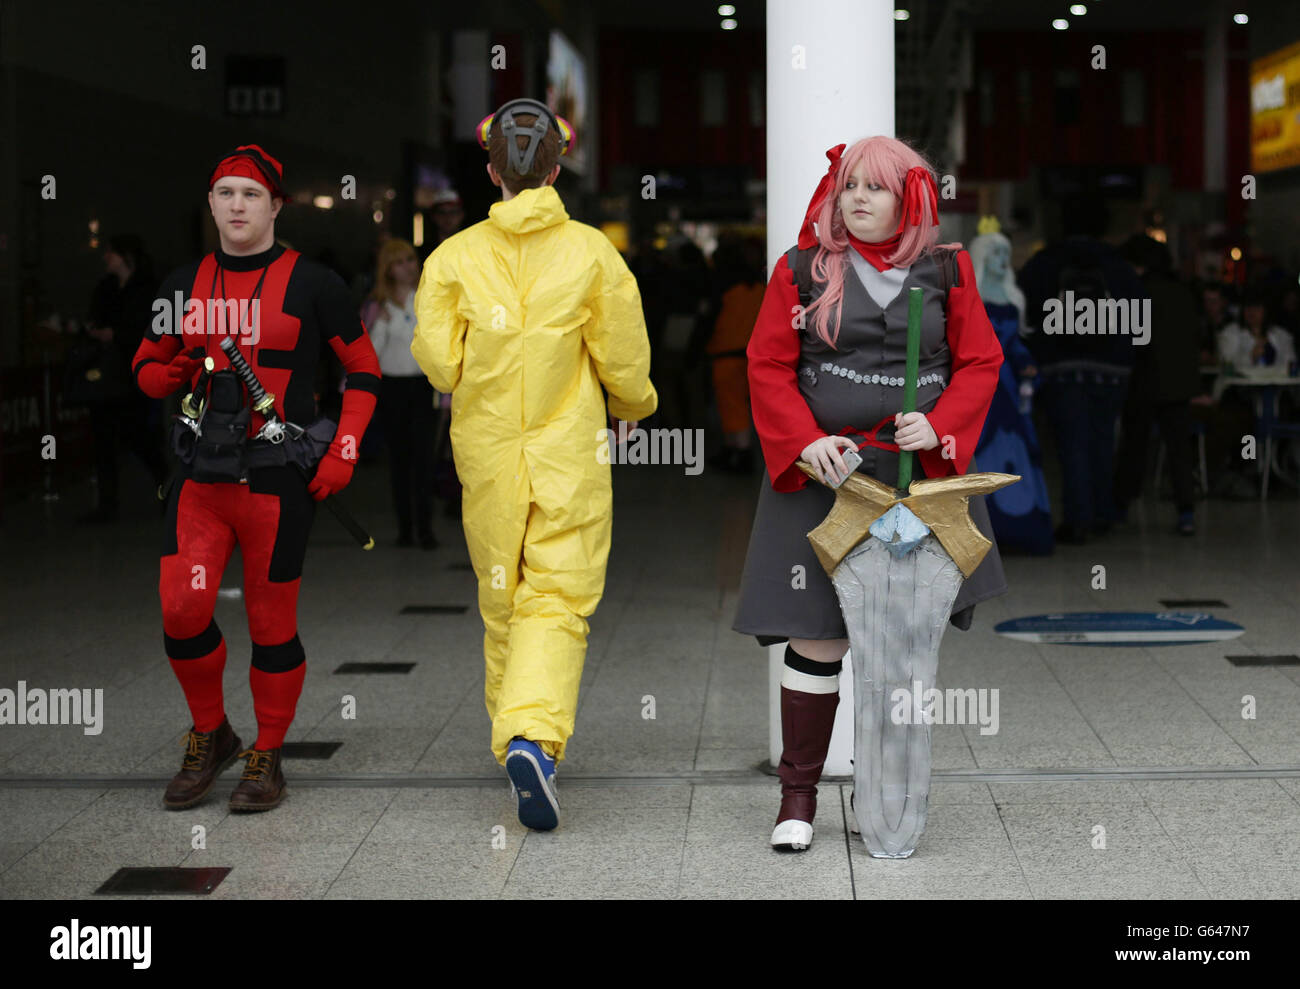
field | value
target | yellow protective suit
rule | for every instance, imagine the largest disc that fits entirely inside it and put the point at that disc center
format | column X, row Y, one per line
column 523, row 317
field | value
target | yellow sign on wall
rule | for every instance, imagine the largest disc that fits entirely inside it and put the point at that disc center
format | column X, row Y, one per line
column 1275, row 110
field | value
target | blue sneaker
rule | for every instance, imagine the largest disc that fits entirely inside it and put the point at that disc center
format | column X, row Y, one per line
column 532, row 774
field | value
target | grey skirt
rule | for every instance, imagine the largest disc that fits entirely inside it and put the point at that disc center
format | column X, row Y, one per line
column 779, row 602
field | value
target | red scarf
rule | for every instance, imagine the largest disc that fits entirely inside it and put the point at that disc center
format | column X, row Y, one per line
column 876, row 252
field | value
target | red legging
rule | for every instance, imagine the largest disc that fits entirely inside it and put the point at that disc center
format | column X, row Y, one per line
column 270, row 518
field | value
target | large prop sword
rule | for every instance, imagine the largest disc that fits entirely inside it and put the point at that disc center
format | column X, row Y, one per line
column 897, row 558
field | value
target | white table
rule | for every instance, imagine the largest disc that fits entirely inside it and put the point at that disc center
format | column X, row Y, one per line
column 1268, row 385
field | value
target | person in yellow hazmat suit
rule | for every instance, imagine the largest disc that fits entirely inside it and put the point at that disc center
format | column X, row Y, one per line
column 523, row 317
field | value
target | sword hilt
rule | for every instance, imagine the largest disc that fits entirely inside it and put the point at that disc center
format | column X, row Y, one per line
column 192, row 405
column 263, row 400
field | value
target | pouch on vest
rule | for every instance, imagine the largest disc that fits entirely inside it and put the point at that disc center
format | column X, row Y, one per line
column 221, row 448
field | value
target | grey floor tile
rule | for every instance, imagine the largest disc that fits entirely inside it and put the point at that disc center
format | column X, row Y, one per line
column 37, row 891
column 1077, row 821
column 1245, row 853
column 632, row 866
column 1074, row 855
column 1006, row 754
column 575, row 795
column 736, row 862
column 275, row 871
column 964, row 822
column 1085, row 792
column 12, row 851
column 590, row 757
column 33, row 813
column 598, row 827
column 746, row 822
column 873, row 885
column 1142, row 885
column 76, row 868
column 810, row 887
column 424, row 871
column 1227, row 817
column 764, row 796
column 952, row 793
column 941, row 854
column 123, row 813
column 566, row 887
column 1290, row 785
column 1198, row 793
column 747, row 757
column 1232, row 887
column 308, row 814
column 953, row 757
column 1217, row 751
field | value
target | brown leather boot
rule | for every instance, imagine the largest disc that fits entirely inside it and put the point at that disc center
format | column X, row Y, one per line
column 262, row 785
column 206, row 755
column 806, row 724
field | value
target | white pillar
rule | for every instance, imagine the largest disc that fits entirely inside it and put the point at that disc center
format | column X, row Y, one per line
column 830, row 80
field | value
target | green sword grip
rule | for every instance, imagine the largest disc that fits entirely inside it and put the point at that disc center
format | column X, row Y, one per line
column 915, row 300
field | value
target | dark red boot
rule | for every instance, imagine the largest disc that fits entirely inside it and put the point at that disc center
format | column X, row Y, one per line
column 806, row 724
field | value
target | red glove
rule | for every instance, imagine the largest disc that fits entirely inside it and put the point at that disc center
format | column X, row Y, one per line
column 332, row 474
column 158, row 380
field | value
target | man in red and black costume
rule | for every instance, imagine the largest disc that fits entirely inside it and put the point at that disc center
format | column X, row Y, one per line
column 280, row 309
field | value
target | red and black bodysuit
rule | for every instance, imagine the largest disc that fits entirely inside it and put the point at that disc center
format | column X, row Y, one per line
column 302, row 306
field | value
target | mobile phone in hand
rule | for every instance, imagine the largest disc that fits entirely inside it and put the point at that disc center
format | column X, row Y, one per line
column 852, row 461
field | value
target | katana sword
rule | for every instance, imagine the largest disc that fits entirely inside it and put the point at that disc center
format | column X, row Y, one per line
column 274, row 431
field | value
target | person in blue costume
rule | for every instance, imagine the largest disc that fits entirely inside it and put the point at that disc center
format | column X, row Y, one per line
column 1020, row 513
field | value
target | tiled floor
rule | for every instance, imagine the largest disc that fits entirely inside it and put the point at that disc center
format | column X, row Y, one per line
column 414, row 805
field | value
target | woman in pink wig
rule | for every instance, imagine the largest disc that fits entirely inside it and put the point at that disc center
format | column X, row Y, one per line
column 827, row 357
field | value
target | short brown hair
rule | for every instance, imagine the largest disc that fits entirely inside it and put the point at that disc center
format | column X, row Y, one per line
column 545, row 159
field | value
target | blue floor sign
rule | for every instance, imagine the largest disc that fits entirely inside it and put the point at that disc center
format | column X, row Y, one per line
column 1121, row 628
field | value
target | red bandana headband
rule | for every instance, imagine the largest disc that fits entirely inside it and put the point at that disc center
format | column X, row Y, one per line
column 918, row 187
column 249, row 161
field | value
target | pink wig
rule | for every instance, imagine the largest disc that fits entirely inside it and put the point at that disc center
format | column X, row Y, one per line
column 886, row 162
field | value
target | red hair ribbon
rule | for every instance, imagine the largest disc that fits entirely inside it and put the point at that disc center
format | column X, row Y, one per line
column 917, row 188
column 807, row 235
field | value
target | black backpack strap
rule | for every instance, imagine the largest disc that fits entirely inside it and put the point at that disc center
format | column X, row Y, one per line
column 945, row 259
column 800, row 263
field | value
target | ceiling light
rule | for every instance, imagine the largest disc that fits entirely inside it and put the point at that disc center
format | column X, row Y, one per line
column 1078, row 9
column 726, row 10
column 902, row 15
column 1060, row 24
column 729, row 24
column 1241, row 18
